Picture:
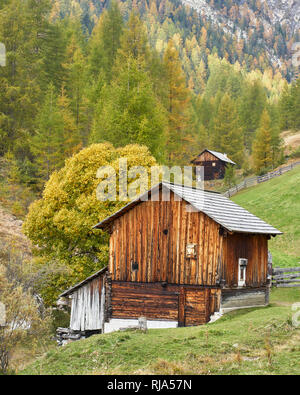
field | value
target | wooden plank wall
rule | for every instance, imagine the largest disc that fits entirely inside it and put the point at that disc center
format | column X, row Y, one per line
column 186, row 304
column 206, row 156
column 133, row 300
column 87, row 309
column 155, row 236
column 197, row 308
column 237, row 298
column 210, row 172
column 252, row 247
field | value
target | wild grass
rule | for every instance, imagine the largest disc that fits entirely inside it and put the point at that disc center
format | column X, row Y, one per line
column 278, row 202
column 249, row 341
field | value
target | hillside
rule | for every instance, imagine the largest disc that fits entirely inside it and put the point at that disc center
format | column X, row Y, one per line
column 11, row 231
column 277, row 202
column 255, row 33
column 250, row 341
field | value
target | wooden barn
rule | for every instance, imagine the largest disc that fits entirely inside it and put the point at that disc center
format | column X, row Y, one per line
column 214, row 164
column 176, row 259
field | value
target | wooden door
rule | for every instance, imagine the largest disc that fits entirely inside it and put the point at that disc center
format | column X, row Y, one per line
column 193, row 306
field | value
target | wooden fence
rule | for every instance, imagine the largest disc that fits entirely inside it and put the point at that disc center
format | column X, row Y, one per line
column 249, row 182
column 286, row 277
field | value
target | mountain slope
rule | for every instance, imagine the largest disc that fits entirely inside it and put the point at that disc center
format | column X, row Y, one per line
column 255, row 33
column 11, row 231
column 277, row 202
column 244, row 18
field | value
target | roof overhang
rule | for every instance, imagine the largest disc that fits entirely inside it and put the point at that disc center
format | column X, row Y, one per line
column 217, row 155
column 85, row 281
column 105, row 224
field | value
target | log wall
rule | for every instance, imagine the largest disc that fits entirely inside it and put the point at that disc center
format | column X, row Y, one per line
column 154, row 235
column 211, row 172
column 188, row 305
column 239, row 298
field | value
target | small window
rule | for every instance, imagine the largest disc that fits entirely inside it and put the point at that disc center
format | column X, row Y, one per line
column 242, row 271
column 134, row 266
column 191, row 250
column 213, row 164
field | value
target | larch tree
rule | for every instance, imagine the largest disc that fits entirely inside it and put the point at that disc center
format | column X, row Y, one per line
column 178, row 101
column 105, row 42
column 252, row 104
column 228, row 136
column 261, row 149
column 128, row 110
column 76, row 85
column 47, row 142
column 24, row 32
column 71, row 135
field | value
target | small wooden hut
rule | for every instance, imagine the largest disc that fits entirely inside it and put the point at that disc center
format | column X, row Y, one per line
column 176, row 258
column 214, row 164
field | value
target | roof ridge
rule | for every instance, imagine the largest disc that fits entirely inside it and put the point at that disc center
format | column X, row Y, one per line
column 191, row 187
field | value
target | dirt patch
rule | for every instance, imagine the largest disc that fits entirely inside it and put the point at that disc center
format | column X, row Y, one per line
column 11, row 230
column 291, row 141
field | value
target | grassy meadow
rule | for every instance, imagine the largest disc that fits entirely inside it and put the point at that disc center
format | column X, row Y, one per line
column 278, row 202
column 249, row 341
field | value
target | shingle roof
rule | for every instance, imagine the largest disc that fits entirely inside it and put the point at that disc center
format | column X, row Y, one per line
column 222, row 210
column 219, row 155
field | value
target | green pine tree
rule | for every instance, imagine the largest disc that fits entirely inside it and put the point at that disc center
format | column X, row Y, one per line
column 178, row 102
column 228, row 137
column 129, row 112
column 261, row 149
column 105, row 42
column 252, row 104
column 48, row 142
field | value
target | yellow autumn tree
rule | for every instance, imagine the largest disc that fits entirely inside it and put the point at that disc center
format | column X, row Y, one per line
column 60, row 223
column 178, row 100
column 261, row 148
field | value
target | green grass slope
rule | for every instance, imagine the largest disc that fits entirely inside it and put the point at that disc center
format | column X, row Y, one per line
column 278, row 202
column 249, row 341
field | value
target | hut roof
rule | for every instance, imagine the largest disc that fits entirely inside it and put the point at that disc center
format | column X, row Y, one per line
column 222, row 210
column 219, row 155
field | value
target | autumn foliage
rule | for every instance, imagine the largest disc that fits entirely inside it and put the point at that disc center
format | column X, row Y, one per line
column 60, row 223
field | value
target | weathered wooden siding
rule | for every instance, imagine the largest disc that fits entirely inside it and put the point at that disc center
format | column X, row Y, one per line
column 206, row 156
column 87, row 311
column 238, row 298
column 252, row 247
column 133, row 300
column 210, row 172
column 154, row 234
column 186, row 304
column 196, row 305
